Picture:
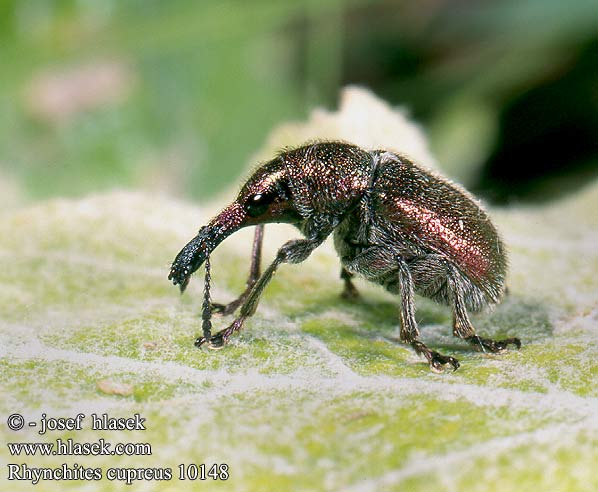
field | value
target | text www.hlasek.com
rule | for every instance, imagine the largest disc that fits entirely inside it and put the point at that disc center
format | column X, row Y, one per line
column 69, row 447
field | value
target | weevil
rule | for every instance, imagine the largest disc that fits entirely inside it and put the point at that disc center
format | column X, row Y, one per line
column 394, row 223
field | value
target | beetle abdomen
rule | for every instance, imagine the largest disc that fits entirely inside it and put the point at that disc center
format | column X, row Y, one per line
column 423, row 209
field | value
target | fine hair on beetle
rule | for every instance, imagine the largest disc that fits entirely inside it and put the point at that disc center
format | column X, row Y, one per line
column 394, row 223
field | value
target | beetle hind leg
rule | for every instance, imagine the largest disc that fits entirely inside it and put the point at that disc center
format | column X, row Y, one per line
column 462, row 327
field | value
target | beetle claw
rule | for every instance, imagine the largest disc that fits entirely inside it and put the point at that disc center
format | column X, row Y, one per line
column 439, row 362
column 215, row 342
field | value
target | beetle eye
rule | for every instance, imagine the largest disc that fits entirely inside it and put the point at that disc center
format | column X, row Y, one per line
column 259, row 203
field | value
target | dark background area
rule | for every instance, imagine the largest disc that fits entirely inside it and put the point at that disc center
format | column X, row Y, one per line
column 176, row 96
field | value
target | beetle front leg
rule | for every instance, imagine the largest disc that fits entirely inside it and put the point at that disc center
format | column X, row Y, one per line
column 409, row 330
column 294, row 251
column 462, row 326
column 254, row 274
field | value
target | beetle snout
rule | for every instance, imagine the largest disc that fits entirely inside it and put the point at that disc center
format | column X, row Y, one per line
column 195, row 252
column 189, row 259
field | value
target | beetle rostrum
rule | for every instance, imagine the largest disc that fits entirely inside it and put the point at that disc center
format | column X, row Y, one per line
column 394, row 223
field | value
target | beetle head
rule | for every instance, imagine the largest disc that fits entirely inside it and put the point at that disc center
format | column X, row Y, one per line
column 265, row 197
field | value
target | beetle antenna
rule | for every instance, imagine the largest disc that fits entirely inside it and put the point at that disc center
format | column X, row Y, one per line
column 206, row 312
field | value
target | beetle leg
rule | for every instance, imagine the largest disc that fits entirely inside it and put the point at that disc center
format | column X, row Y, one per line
column 409, row 331
column 462, row 326
column 254, row 274
column 437, row 361
column 294, row 251
column 217, row 341
column 350, row 292
column 494, row 346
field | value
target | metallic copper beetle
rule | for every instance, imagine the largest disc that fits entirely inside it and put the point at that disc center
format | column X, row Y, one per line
column 394, row 223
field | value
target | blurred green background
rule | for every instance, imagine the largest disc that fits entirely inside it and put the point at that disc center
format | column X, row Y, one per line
column 175, row 96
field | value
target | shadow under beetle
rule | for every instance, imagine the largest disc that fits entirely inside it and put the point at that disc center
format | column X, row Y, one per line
column 394, row 223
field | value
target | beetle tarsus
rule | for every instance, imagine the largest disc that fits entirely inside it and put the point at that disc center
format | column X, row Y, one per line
column 220, row 339
column 215, row 342
column 437, row 361
column 493, row 346
column 462, row 327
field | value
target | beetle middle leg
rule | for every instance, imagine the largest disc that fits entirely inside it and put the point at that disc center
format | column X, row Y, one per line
column 381, row 265
column 294, row 251
column 462, row 326
column 409, row 330
column 254, row 275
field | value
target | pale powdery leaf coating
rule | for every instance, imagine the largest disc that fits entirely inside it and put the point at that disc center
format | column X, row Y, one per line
column 316, row 394
column 361, row 119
